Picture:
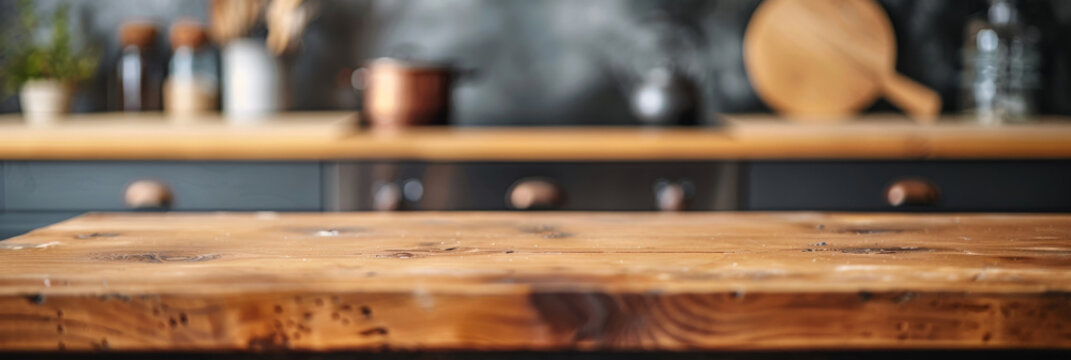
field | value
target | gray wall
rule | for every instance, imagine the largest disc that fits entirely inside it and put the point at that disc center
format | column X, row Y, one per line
column 571, row 61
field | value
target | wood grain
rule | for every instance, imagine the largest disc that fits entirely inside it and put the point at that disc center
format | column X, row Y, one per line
column 538, row 281
column 333, row 136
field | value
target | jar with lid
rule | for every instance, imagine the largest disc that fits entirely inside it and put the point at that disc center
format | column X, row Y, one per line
column 1002, row 66
column 192, row 85
column 138, row 69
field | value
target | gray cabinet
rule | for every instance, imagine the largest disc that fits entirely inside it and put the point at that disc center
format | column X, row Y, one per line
column 487, row 186
column 196, row 186
column 18, row 223
column 999, row 186
column 39, row 193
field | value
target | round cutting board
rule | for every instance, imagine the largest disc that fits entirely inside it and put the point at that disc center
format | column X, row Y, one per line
column 825, row 60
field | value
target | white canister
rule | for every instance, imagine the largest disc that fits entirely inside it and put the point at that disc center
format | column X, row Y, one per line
column 252, row 84
column 44, row 102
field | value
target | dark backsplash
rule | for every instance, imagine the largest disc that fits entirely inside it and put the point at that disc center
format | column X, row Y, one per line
column 572, row 61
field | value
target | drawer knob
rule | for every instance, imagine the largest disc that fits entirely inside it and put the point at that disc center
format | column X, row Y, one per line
column 912, row 192
column 533, row 194
column 147, row 194
column 387, row 197
column 672, row 196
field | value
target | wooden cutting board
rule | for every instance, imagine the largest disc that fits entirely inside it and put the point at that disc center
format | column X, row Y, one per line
column 826, row 60
column 538, row 281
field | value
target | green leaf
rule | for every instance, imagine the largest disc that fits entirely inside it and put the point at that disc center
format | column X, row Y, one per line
column 25, row 59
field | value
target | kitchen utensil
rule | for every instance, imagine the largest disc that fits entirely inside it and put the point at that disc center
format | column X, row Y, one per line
column 820, row 60
column 402, row 92
column 666, row 98
column 286, row 21
column 233, row 19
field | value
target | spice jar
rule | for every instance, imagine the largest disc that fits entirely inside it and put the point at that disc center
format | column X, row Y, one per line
column 192, row 85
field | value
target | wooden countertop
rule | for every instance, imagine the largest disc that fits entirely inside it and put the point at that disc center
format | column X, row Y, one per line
column 538, row 281
column 334, row 136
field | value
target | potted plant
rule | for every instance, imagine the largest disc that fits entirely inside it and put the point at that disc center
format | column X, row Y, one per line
column 44, row 72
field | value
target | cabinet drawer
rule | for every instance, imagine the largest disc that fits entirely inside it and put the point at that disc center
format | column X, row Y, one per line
column 488, row 186
column 862, row 186
column 204, row 186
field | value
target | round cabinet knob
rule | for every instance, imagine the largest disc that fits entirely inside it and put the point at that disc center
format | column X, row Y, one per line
column 912, row 192
column 533, row 194
column 413, row 190
column 387, row 197
column 671, row 197
column 147, row 194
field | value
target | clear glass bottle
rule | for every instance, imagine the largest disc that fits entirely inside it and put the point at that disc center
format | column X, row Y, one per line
column 138, row 69
column 1002, row 66
column 192, row 85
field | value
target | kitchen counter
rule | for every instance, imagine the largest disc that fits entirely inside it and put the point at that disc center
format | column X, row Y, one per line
column 334, row 136
column 538, row 281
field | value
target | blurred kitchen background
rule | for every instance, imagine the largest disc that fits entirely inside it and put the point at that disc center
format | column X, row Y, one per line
column 558, row 62
column 314, row 105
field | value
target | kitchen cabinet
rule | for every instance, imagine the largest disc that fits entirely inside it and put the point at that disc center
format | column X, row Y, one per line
column 204, row 186
column 576, row 186
column 17, row 223
column 1000, row 186
column 36, row 193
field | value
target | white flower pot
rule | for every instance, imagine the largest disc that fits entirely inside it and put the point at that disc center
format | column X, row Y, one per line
column 44, row 102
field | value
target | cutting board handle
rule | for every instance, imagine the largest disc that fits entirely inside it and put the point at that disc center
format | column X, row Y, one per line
column 916, row 100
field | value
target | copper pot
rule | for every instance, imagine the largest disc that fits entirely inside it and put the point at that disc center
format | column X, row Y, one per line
column 403, row 93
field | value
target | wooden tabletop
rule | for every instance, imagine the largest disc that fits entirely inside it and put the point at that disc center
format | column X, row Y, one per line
column 538, row 281
column 335, row 136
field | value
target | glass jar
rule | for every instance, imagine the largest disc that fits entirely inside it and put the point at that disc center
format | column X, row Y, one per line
column 192, row 85
column 138, row 70
column 1002, row 66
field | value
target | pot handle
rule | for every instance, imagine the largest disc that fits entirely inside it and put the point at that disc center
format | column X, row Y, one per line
column 359, row 79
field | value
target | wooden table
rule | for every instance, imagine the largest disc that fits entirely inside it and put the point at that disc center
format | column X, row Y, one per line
column 538, row 281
